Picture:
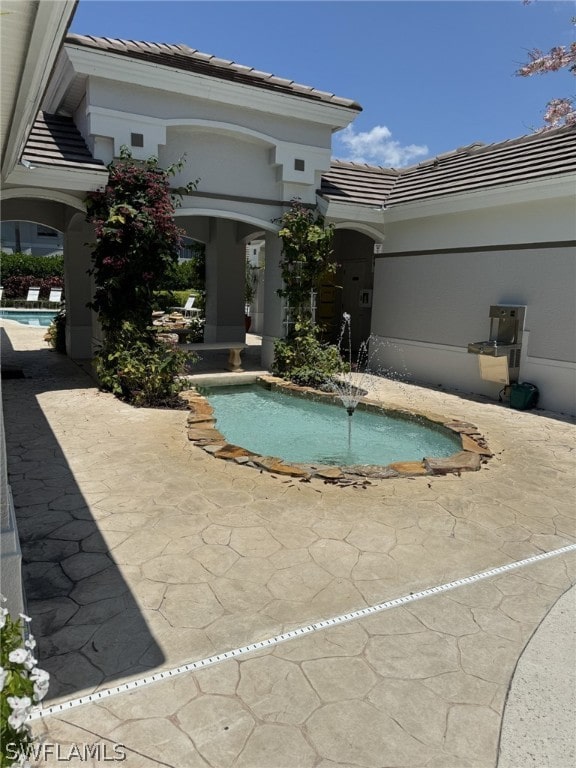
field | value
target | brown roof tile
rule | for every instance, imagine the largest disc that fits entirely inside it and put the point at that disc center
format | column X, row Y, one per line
column 468, row 169
column 56, row 142
column 190, row 60
column 357, row 183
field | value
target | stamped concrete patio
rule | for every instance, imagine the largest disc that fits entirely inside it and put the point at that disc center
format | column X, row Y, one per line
column 142, row 553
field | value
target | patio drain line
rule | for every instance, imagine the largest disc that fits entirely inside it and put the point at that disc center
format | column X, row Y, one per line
column 57, row 709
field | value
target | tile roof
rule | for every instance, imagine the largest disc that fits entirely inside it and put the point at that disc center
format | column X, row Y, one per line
column 55, row 142
column 468, row 169
column 191, row 60
column 356, row 183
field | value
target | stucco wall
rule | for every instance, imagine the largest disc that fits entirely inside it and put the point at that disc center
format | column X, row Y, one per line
column 445, row 298
column 429, row 305
column 549, row 217
column 164, row 105
column 234, row 151
column 233, row 164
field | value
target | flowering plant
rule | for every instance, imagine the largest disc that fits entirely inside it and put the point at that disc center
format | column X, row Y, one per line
column 137, row 240
column 22, row 684
column 558, row 111
column 137, row 244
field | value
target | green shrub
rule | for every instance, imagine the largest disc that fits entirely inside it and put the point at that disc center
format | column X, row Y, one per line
column 56, row 333
column 304, row 360
column 189, row 273
column 163, row 300
column 141, row 369
column 21, row 264
column 306, row 257
column 196, row 329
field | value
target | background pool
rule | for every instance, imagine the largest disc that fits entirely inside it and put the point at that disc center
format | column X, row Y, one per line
column 39, row 318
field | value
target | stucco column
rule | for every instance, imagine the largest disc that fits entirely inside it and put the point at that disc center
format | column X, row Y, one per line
column 272, row 302
column 225, row 281
column 78, row 289
column 10, row 553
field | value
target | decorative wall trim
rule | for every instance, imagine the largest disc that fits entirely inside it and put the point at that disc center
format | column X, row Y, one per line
column 482, row 249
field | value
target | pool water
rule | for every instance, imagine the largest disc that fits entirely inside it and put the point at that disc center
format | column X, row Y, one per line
column 38, row 318
column 295, row 429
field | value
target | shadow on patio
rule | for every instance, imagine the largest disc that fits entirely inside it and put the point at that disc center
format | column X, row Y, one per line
column 88, row 626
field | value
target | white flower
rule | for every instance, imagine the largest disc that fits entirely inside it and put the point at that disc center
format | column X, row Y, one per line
column 17, row 719
column 3, row 614
column 30, row 662
column 20, row 706
column 41, row 680
column 39, row 675
column 19, row 656
column 3, row 676
column 24, row 617
column 30, row 642
column 19, row 702
column 41, row 689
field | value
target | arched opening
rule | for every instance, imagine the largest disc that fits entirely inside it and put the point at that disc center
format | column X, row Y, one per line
column 350, row 290
column 235, row 253
column 31, row 238
column 32, row 246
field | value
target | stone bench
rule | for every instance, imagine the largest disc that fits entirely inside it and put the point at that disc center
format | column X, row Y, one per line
column 234, row 350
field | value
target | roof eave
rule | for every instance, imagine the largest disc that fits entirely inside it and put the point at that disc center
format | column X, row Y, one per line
column 49, row 28
column 346, row 211
column 90, row 61
column 64, row 178
column 504, row 194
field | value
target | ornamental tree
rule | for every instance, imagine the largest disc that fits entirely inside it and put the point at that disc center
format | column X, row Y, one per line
column 307, row 247
column 559, row 111
column 137, row 243
column 137, row 240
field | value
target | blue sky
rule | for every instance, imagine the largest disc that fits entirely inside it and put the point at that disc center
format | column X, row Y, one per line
column 431, row 76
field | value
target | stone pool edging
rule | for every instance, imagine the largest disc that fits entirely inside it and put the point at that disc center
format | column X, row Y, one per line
column 202, row 431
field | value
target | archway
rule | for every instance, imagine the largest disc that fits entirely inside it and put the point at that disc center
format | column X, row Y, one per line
column 227, row 238
column 350, row 290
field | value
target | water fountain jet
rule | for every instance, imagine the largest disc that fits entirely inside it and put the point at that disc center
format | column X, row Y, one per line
column 348, row 386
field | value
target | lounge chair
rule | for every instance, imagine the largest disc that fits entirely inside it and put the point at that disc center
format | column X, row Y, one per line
column 188, row 309
column 55, row 296
column 33, row 296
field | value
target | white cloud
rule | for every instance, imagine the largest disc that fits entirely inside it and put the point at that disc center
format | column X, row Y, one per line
column 375, row 147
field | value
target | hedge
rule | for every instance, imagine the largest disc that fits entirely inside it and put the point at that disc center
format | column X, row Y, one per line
column 19, row 264
column 16, row 287
column 20, row 271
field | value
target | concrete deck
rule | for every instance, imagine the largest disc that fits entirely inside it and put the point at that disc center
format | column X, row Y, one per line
column 143, row 553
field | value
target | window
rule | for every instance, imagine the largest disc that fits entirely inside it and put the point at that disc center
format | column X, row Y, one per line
column 137, row 139
column 42, row 231
column 298, row 165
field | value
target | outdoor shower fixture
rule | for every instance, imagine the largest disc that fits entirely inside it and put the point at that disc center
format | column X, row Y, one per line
column 499, row 357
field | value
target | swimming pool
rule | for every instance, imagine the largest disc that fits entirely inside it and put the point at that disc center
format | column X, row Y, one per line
column 37, row 317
